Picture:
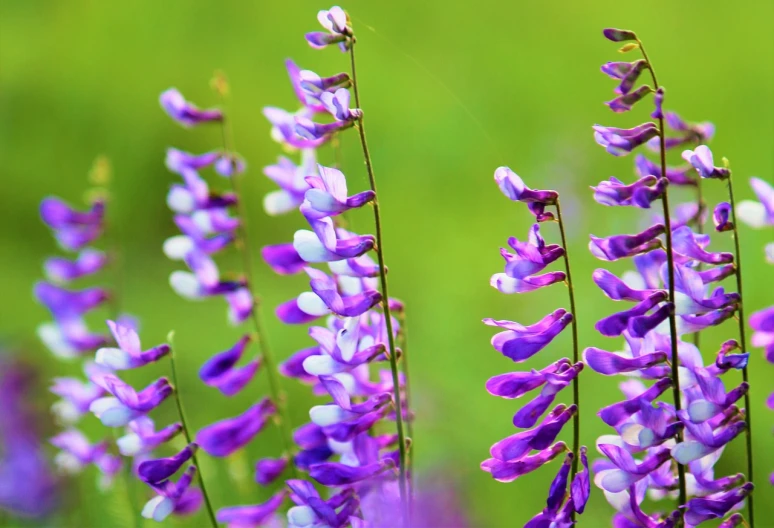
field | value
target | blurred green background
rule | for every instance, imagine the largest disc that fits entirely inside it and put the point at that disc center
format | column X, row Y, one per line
column 451, row 90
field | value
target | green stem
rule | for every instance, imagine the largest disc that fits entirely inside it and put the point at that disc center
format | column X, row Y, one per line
column 187, row 434
column 402, row 481
column 269, row 363
column 575, row 353
column 403, row 345
column 743, row 343
column 675, row 359
column 700, row 230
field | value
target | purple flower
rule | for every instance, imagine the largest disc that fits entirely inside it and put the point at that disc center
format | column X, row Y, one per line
column 616, row 289
column 221, row 372
column 510, row 471
column 64, row 303
column 174, row 497
column 528, row 415
column 329, row 244
column 699, row 510
column 626, row 72
column 721, row 216
column 690, row 245
column 622, row 141
column 311, row 510
column 676, row 175
column 129, row 354
column 283, row 259
column 126, row 404
column 691, row 293
column 267, row 470
column 530, row 258
column 337, row 474
column 291, row 179
column 516, row 384
column 142, row 436
column 615, row 324
column 556, row 495
column 61, row 270
column 701, row 159
column 706, row 440
column 311, row 131
column 623, row 246
column 513, row 187
column 327, row 195
column 619, row 35
column 251, row 516
column 627, row 471
column 519, row 342
column 516, row 446
column 762, row 322
column 156, row 471
column 761, row 213
column 615, row 414
column 184, row 112
column 76, row 452
column 227, row 436
column 284, row 128
column 336, row 21
column 611, row 363
column 179, row 161
column 639, row 194
column 624, row 103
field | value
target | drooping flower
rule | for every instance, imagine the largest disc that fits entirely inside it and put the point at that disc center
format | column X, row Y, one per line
column 184, row 112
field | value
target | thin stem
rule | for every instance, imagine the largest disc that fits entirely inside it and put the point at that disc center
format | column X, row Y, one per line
column 243, row 246
column 671, row 277
column 575, row 354
column 187, row 434
column 385, row 297
column 403, row 345
column 700, row 230
column 743, row 343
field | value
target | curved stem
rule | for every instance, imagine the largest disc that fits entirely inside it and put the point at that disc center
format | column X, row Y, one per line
column 743, row 343
column 385, row 298
column 575, row 354
column 187, row 434
column 269, row 363
column 403, row 345
column 683, row 497
column 700, row 230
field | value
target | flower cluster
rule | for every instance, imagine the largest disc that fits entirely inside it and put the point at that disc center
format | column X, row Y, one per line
column 528, row 450
column 125, row 407
column 341, row 447
column 68, row 336
column 669, row 284
column 208, row 228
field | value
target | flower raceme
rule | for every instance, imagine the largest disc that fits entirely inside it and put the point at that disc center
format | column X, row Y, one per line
column 668, row 284
column 513, row 456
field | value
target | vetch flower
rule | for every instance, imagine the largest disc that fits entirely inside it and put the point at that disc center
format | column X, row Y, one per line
column 126, row 404
column 142, row 436
column 513, row 187
column 624, row 246
column 702, row 161
column 158, row 470
column 622, row 141
column 624, row 103
column 641, row 193
column 129, row 354
column 761, row 213
column 510, row 471
column 62, row 270
column 221, row 372
column 721, row 216
column 519, row 342
column 184, row 112
column 173, row 497
column 702, row 509
column 336, row 21
column 224, row 437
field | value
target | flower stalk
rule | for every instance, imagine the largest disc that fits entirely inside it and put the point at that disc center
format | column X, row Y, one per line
column 743, row 344
column 402, row 480
column 575, row 353
column 187, row 435
column 675, row 360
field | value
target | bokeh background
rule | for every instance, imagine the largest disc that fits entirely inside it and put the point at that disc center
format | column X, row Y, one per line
column 451, row 90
